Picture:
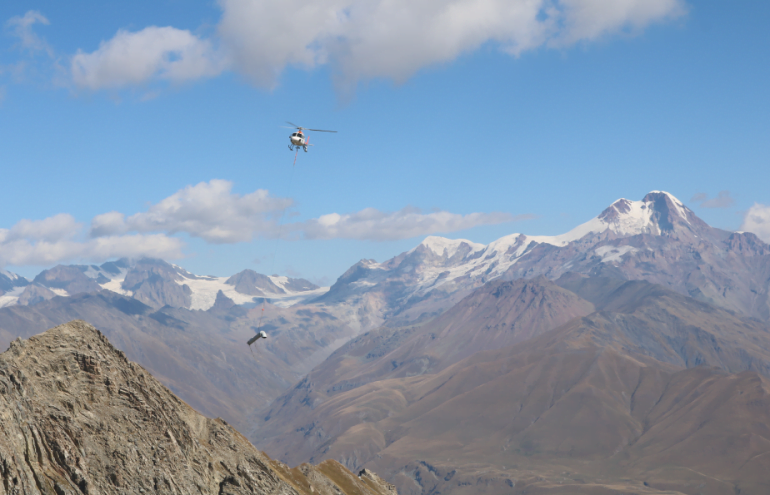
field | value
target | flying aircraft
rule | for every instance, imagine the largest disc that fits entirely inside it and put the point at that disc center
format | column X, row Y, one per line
column 260, row 335
column 298, row 138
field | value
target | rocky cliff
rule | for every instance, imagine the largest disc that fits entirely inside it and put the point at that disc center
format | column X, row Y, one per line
column 77, row 417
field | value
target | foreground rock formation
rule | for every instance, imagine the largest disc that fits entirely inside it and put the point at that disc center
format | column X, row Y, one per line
column 77, row 417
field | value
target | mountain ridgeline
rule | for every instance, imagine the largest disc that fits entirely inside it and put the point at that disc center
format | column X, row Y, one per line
column 80, row 418
column 629, row 355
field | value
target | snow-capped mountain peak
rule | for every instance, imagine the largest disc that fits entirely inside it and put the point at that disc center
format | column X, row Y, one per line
column 623, row 232
column 657, row 213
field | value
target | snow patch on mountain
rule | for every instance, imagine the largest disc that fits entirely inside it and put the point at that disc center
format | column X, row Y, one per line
column 116, row 285
column 11, row 297
column 205, row 289
column 613, row 254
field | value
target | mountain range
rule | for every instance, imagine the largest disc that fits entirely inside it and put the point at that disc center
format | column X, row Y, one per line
column 155, row 283
column 629, row 354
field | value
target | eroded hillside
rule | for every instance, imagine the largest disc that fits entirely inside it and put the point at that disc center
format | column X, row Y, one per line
column 79, row 418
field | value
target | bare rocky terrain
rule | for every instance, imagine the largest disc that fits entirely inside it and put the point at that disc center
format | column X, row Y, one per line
column 639, row 390
column 79, row 418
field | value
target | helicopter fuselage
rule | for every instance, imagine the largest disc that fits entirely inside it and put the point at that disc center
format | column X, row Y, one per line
column 298, row 139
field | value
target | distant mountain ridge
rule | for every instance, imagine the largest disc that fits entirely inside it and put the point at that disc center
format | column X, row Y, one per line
column 657, row 239
column 155, row 283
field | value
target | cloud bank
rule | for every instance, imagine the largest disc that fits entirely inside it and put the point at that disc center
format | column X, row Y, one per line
column 212, row 212
column 371, row 224
column 54, row 239
column 209, row 210
column 360, row 39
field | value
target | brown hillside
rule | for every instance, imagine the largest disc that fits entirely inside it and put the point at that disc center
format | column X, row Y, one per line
column 80, row 418
column 495, row 316
column 653, row 389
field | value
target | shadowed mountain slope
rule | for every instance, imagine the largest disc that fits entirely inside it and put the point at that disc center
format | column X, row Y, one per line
column 497, row 315
column 653, row 387
column 79, row 418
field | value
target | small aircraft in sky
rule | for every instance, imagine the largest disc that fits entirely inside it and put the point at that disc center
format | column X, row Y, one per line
column 298, row 139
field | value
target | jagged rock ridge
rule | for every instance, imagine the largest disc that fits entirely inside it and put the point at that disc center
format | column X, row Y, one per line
column 80, row 418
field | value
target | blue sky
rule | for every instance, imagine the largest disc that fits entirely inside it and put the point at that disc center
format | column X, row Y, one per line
column 133, row 128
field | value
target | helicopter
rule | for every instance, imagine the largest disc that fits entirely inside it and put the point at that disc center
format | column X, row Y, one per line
column 298, row 139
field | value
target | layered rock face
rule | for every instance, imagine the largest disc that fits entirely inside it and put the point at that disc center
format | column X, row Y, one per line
column 77, row 417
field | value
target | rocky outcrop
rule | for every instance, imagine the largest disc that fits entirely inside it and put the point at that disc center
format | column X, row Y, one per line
column 77, row 417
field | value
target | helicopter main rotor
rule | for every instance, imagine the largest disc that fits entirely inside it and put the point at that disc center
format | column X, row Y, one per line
column 300, row 128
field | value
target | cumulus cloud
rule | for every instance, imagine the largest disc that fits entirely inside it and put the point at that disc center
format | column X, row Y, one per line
column 360, row 39
column 54, row 240
column 209, row 210
column 374, row 225
column 214, row 213
column 394, row 38
column 21, row 28
column 129, row 58
column 757, row 220
column 722, row 200
column 52, row 229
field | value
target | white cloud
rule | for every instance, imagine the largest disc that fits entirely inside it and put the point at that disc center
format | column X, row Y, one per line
column 374, row 225
column 53, row 240
column 395, row 38
column 21, row 27
column 211, row 211
column 56, row 228
column 208, row 210
column 361, row 39
column 757, row 220
column 155, row 52
column 590, row 19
